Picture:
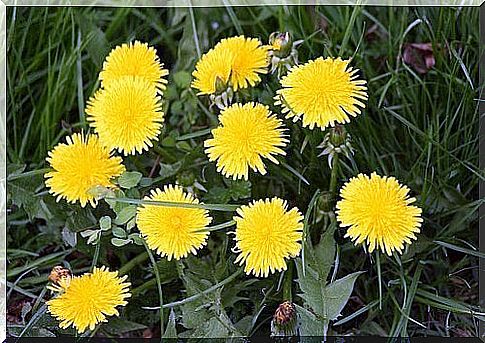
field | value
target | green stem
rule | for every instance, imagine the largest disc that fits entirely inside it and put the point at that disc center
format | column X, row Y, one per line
column 159, row 285
column 96, row 254
column 333, row 177
column 213, row 207
column 132, row 263
column 28, row 174
column 198, row 295
column 379, row 277
column 288, row 283
column 194, row 30
column 220, row 226
column 35, row 318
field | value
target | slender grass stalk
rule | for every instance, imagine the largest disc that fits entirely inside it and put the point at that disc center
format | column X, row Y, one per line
column 159, row 285
column 195, row 134
column 194, row 30
column 35, row 318
column 220, row 226
column 306, row 233
column 379, row 277
column 350, row 26
column 39, row 299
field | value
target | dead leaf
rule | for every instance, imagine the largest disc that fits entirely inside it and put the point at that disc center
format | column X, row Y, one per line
column 419, row 56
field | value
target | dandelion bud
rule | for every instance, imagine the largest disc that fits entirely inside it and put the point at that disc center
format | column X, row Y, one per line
column 325, row 202
column 284, row 321
column 223, row 96
column 336, row 141
column 281, row 43
column 282, row 52
column 220, row 85
column 186, row 178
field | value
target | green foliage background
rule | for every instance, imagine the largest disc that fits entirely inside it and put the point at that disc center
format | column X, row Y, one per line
column 422, row 129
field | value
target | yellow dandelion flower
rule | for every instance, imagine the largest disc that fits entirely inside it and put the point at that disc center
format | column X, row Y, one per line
column 127, row 115
column 173, row 231
column 214, row 67
column 322, row 92
column 249, row 59
column 134, row 59
column 266, row 234
column 377, row 210
column 246, row 134
column 88, row 299
column 80, row 165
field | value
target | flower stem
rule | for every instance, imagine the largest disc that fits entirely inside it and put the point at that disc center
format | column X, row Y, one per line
column 379, row 277
column 28, row 174
column 220, row 226
column 287, row 283
column 96, row 254
column 213, row 207
column 159, row 284
column 198, row 295
column 132, row 263
column 333, row 177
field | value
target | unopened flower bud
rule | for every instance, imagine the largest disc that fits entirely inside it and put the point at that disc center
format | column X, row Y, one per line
column 336, row 141
column 338, row 135
column 281, row 43
column 282, row 52
column 325, row 202
column 186, row 178
column 221, row 86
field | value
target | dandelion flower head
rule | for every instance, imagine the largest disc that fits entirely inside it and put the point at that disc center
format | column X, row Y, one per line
column 127, row 115
column 211, row 71
column 249, row 60
column 322, row 92
column 246, row 134
column 89, row 299
column 377, row 210
column 267, row 233
column 173, row 232
column 79, row 166
column 134, row 59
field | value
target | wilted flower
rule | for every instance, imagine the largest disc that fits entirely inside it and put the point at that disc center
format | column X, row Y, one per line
column 419, row 56
column 284, row 321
